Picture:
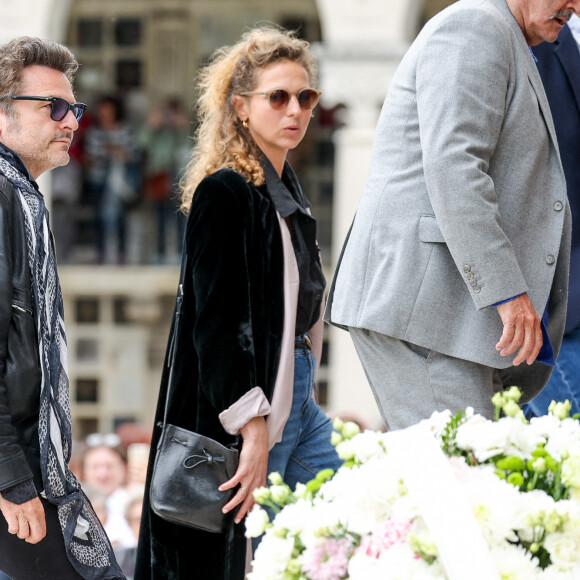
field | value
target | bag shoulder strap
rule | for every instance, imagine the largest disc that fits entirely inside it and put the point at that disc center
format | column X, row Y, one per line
column 175, row 333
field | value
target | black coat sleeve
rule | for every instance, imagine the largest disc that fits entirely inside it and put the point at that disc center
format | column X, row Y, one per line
column 219, row 243
column 14, row 468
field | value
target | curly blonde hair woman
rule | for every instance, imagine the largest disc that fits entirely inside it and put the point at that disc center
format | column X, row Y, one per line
column 221, row 139
column 251, row 331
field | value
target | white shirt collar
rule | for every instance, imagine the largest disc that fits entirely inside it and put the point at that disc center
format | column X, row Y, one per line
column 574, row 25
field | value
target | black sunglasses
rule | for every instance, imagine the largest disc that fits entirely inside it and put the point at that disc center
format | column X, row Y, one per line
column 59, row 107
column 279, row 98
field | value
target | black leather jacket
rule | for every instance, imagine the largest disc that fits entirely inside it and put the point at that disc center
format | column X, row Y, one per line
column 20, row 373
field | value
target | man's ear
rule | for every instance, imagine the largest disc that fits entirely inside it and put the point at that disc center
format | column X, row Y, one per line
column 241, row 107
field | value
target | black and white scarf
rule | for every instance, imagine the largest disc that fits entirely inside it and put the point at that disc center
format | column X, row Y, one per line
column 86, row 542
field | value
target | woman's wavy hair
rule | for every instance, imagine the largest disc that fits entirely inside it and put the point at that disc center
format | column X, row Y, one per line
column 221, row 140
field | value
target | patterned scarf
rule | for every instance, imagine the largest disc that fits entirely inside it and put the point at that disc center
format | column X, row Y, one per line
column 86, row 542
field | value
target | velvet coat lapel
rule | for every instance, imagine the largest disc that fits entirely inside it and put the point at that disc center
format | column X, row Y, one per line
column 229, row 343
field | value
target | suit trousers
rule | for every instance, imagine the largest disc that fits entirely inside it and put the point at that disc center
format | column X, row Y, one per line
column 46, row 560
column 410, row 382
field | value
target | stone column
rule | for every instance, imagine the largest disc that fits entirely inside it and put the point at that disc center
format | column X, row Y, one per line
column 363, row 42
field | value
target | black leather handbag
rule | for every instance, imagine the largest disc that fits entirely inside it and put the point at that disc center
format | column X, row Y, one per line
column 190, row 467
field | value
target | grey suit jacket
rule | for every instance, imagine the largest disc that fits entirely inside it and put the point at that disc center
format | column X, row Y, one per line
column 465, row 203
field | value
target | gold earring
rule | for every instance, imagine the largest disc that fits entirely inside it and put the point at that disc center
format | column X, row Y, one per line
column 245, row 123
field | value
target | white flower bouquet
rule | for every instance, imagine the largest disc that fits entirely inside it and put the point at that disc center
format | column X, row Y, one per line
column 455, row 497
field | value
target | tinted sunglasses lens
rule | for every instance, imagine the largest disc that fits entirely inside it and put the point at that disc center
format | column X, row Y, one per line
column 78, row 110
column 59, row 109
column 279, row 99
column 307, row 99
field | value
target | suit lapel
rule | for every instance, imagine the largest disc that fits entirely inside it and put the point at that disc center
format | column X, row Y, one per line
column 567, row 52
column 538, row 86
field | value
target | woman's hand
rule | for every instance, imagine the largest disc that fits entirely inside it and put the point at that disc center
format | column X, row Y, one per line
column 252, row 468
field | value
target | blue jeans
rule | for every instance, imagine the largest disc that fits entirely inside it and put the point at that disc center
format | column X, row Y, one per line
column 305, row 448
column 564, row 382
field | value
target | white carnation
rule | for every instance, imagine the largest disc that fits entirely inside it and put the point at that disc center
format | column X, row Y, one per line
column 508, row 436
column 515, row 563
column 271, row 557
column 399, row 562
column 364, row 495
column 497, row 505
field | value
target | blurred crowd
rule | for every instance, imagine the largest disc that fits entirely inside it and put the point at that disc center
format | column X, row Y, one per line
column 116, row 201
column 112, row 469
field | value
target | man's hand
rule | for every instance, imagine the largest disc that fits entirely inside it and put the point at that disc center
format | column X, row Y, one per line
column 521, row 330
column 25, row 520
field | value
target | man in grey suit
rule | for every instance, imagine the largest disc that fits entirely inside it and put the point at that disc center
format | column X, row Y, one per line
column 455, row 270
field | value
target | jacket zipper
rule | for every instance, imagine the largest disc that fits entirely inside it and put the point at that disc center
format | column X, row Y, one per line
column 22, row 309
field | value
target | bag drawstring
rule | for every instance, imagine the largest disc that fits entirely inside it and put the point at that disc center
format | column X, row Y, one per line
column 205, row 458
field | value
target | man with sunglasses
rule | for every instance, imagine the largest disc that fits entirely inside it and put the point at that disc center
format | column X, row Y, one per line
column 48, row 528
column 456, row 269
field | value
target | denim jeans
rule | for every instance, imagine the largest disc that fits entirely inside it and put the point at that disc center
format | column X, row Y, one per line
column 305, row 447
column 564, row 382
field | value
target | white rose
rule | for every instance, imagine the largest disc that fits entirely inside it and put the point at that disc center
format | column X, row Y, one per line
column 564, row 548
column 367, row 445
column 256, row 522
column 280, row 493
column 345, row 450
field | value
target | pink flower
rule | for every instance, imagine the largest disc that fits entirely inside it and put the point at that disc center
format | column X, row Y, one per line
column 327, row 561
column 384, row 536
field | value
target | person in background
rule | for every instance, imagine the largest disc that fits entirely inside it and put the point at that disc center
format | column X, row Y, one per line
column 112, row 166
column 250, row 334
column 453, row 280
column 104, row 468
column 165, row 144
column 133, row 513
column 99, row 502
column 49, row 528
column 559, row 67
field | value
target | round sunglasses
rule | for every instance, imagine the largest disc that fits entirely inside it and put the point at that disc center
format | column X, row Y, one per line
column 279, row 98
column 59, row 107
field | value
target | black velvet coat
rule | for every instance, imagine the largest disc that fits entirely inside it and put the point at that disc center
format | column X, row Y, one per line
column 229, row 343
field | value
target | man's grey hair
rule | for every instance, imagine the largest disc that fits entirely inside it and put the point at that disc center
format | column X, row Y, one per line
column 20, row 53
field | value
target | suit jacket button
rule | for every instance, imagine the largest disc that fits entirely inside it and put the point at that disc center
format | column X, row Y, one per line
column 467, row 268
column 477, row 289
column 558, row 205
column 473, row 282
column 550, row 259
column 469, row 275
